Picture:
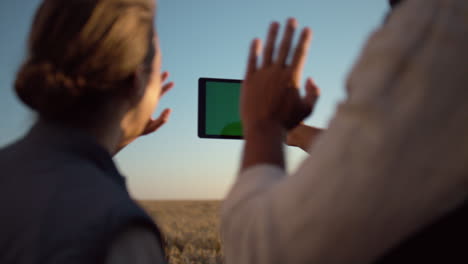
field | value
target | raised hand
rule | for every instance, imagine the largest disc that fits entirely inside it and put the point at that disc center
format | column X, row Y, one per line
column 154, row 124
column 271, row 90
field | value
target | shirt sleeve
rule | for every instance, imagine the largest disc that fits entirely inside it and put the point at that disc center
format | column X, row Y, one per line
column 252, row 182
column 386, row 167
column 135, row 245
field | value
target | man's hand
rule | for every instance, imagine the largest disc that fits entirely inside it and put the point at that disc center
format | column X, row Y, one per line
column 271, row 102
column 270, row 92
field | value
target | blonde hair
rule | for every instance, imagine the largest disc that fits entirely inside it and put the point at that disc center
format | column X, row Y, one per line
column 83, row 51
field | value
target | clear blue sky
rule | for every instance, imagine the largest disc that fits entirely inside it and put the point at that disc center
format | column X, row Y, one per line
column 205, row 38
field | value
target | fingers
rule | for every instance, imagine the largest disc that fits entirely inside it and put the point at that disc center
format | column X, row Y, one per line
column 255, row 50
column 155, row 124
column 300, row 53
column 312, row 93
column 287, row 41
column 164, row 76
column 302, row 48
column 166, row 87
column 270, row 45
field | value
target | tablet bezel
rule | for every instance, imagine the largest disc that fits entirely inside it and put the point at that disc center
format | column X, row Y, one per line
column 202, row 107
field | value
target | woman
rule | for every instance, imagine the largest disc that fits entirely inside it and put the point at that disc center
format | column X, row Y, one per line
column 92, row 74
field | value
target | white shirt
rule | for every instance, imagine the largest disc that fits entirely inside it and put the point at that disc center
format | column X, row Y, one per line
column 393, row 160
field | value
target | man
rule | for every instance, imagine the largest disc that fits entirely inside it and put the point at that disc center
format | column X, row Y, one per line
column 387, row 182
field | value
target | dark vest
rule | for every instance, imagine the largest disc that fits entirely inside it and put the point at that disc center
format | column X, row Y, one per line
column 62, row 199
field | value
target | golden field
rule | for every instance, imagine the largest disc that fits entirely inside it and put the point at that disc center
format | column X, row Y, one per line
column 191, row 230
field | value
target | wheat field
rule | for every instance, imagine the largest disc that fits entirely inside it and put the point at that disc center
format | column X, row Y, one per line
column 191, row 230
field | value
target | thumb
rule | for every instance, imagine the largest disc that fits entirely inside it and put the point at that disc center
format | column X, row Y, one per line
column 154, row 125
column 312, row 93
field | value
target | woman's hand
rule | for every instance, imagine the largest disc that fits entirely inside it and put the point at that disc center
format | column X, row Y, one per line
column 270, row 91
column 154, row 125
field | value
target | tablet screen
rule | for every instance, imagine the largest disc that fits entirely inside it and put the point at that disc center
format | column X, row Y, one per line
column 219, row 115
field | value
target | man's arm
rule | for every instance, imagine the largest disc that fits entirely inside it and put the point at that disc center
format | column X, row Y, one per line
column 264, row 145
column 271, row 103
column 384, row 169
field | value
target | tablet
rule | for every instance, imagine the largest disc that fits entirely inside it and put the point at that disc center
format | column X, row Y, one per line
column 218, row 108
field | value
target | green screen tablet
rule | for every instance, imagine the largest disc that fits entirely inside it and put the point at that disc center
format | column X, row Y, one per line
column 218, row 108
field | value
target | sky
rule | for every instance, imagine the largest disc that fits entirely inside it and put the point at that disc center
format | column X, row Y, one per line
column 204, row 38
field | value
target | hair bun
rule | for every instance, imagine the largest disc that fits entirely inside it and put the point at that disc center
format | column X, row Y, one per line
column 46, row 89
